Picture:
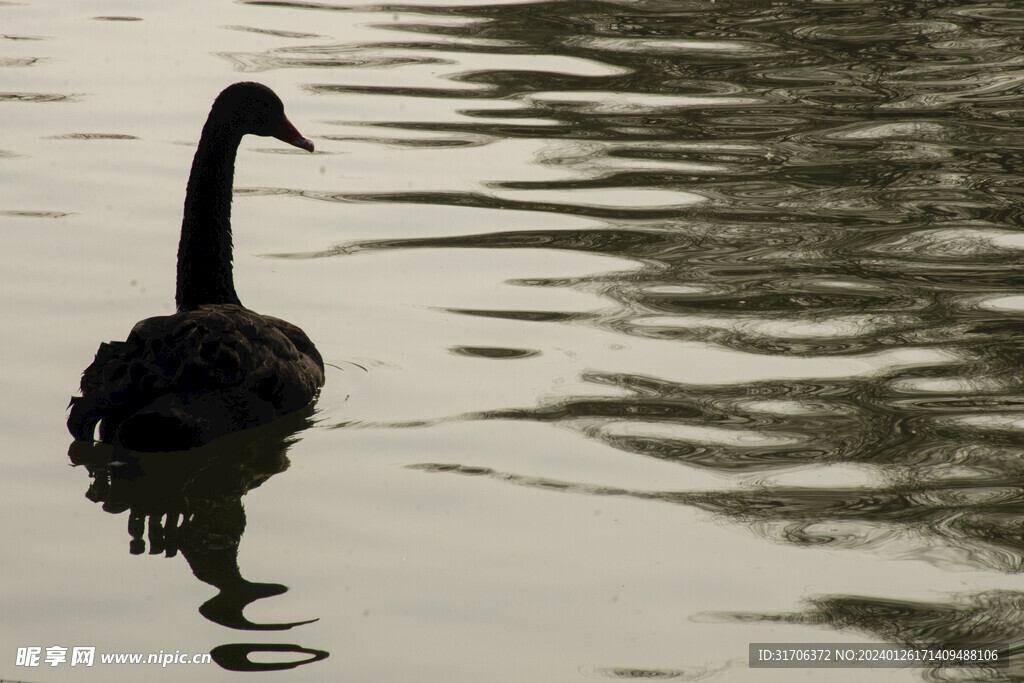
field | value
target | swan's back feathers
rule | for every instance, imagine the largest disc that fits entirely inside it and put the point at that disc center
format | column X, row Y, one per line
column 183, row 380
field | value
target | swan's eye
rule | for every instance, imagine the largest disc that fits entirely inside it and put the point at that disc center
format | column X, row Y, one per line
column 262, row 116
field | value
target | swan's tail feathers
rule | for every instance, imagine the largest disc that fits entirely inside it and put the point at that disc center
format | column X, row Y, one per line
column 102, row 383
column 108, row 365
column 84, row 417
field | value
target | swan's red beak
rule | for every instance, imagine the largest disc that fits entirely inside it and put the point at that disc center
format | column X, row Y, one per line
column 286, row 133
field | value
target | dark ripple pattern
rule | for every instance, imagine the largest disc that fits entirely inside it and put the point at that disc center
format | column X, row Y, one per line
column 857, row 170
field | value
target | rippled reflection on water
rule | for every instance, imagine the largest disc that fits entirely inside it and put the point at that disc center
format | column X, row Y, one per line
column 835, row 180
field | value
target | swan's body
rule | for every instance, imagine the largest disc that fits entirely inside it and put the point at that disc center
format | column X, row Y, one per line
column 213, row 367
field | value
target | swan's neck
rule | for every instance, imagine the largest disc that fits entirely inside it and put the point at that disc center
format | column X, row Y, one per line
column 204, row 253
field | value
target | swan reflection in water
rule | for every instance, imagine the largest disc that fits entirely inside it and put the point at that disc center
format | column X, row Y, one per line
column 190, row 502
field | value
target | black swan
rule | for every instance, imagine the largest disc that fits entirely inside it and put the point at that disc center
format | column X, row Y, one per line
column 213, row 367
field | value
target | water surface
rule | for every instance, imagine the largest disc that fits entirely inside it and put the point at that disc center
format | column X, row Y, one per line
column 654, row 329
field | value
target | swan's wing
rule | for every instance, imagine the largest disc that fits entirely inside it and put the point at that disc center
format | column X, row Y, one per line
column 299, row 340
column 198, row 374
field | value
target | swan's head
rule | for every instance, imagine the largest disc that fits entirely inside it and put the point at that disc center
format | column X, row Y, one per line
column 254, row 108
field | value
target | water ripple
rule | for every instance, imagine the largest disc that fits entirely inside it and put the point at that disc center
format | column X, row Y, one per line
column 36, row 98
column 827, row 199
